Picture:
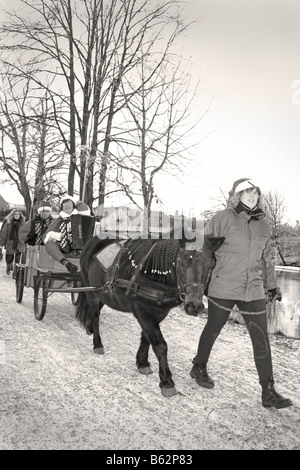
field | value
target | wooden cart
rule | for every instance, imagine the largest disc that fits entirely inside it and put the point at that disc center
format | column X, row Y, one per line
column 45, row 275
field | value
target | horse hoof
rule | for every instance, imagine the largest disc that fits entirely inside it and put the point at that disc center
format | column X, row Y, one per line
column 145, row 370
column 99, row 351
column 169, row 392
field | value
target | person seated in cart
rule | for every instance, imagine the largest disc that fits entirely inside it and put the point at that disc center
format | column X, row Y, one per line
column 32, row 231
column 57, row 238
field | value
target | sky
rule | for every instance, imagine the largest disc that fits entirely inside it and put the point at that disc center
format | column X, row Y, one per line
column 247, row 56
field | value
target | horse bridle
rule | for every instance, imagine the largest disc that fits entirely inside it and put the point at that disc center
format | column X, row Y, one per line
column 180, row 286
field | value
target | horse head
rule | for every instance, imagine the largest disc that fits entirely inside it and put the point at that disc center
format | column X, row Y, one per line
column 194, row 268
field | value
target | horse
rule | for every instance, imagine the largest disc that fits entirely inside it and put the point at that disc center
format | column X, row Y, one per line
column 148, row 278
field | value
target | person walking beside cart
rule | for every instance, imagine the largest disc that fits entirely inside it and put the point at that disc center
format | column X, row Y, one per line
column 32, row 231
column 9, row 238
column 242, row 275
column 57, row 243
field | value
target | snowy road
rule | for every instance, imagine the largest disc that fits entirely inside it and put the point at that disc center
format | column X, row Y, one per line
column 56, row 394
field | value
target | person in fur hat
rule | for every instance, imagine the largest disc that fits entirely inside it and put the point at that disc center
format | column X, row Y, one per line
column 9, row 238
column 32, row 232
column 52, row 238
column 242, row 275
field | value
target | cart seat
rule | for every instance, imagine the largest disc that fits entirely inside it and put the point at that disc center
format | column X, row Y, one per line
column 38, row 259
column 45, row 262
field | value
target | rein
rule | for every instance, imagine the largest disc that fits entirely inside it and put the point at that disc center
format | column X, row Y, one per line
column 235, row 309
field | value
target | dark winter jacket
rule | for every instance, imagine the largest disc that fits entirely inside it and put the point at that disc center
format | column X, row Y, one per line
column 53, row 233
column 32, row 232
column 9, row 236
column 243, row 269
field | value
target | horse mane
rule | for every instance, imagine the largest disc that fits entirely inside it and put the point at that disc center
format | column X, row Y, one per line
column 161, row 259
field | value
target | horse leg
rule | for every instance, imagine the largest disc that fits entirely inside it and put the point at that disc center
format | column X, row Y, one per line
column 152, row 332
column 98, row 346
column 142, row 362
column 93, row 326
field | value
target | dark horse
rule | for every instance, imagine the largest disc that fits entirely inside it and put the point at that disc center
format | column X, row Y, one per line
column 148, row 278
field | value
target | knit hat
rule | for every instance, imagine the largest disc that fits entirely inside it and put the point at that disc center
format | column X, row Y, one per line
column 83, row 208
column 67, row 198
column 241, row 185
column 44, row 206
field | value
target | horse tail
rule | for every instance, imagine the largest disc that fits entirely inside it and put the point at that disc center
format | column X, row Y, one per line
column 82, row 310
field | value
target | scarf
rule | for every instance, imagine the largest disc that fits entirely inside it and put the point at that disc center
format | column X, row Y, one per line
column 14, row 233
column 255, row 213
column 65, row 229
column 39, row 227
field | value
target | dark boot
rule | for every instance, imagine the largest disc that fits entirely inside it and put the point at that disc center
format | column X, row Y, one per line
column 72, row 268
column 8, row 268
column 199, row 373
column 271, row 398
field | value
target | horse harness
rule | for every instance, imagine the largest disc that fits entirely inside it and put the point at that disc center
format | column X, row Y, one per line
column 135, row 289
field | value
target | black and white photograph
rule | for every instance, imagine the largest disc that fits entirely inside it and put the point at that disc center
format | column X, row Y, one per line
column 149, row 228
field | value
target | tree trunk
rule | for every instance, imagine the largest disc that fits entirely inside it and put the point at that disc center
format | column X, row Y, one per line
column 103, row 169
column 71, row 175
column 280, row 254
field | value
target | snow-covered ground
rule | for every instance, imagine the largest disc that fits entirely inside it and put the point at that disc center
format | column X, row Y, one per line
column 56, row 394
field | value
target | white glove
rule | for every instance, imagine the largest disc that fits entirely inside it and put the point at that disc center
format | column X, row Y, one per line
column 53, row 236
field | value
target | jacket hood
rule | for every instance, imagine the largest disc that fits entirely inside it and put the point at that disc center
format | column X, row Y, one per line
column 11, row 216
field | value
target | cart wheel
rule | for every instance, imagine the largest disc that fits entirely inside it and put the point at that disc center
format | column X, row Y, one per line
column 40, row 298
column 75, row 296
column 20, row 284
column 14, row 271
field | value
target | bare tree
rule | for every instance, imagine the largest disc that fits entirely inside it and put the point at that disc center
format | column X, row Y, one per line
column 274, row 206
column 80, row 52
column 30, row 152
column 221, row 202
column 155, row 134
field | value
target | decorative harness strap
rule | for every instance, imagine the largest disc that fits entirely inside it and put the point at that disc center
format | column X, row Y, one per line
column 115, row 267
column 159, row 296
column 138, row 268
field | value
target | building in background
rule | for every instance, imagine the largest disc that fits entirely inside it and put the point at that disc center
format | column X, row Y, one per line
column 6, row 207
